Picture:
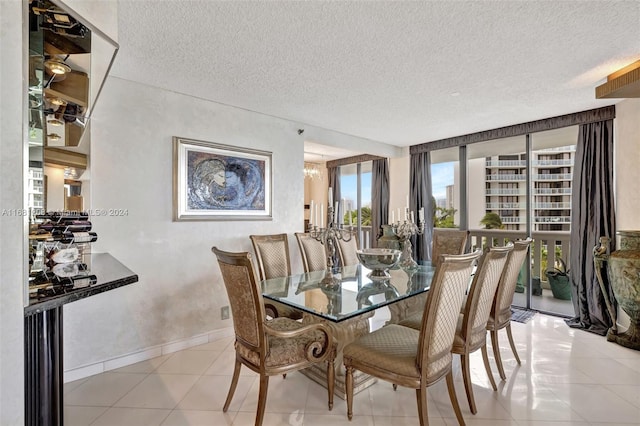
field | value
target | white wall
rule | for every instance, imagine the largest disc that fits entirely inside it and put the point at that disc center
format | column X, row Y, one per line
column 13, row 166
column 398, row 184
column 627, row 158
column 180, row 290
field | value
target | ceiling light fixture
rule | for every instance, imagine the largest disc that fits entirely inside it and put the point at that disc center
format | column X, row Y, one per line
column 53, row 136
column 56, row 66
column 312, row 171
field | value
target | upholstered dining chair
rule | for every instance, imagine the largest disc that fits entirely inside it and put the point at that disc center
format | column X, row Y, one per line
column 444, row 241
column 268, row 347
column 313, row 252
column 347, row 251
column 447, row 241
column 417, row 358
column 471, row 332
column 500, row 315
column 272, row 256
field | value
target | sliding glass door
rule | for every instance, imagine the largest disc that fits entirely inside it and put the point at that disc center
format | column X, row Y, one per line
column 355, row 191
column 513, row 188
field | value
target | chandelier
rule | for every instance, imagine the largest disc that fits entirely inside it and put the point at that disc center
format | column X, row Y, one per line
column 312, row 171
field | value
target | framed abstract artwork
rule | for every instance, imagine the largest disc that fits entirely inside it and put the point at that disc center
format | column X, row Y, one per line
column 212, row 181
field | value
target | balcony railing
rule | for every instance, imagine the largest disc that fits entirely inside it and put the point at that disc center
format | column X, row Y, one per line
column 552, row 219
column 514, row 219
column 568, row 148
column 506, row 177
column 506, row 191
column 547, row 246
column 553, row 176
column 365, row 237
column 506, row 206
column 542, row 163
column 551, row 206
column 551, row 191
column 506, row 163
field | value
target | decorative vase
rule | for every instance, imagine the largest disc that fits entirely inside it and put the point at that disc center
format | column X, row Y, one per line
column 623, row 271
column 389, row 239
column 560, row 285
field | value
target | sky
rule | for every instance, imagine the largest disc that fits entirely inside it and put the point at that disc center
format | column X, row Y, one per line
column 349, row 188
column 441, row 176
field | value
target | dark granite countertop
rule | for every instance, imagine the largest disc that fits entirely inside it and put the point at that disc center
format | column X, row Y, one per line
column 110, row 274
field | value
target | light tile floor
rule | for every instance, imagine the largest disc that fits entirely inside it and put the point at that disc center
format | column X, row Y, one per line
column 568, row 377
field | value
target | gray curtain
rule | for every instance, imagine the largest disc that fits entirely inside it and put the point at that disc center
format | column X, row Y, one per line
column 420, row 196
column 334, row 182
column 593, row 216
column 379, row 198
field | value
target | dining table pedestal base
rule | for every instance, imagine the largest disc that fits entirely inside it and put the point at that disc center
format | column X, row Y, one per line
column 344, row 332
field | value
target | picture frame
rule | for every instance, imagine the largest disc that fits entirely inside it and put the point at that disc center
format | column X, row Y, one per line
column 213, row 181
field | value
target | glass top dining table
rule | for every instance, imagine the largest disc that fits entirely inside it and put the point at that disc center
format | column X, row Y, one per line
column 347, row 292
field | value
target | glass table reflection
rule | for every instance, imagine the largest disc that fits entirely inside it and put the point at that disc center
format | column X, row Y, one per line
column 352, row 294
column 345, row 300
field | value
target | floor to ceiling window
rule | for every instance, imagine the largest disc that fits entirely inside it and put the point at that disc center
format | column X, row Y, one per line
column 514, row 187
column 552, row 159
column 445, row 188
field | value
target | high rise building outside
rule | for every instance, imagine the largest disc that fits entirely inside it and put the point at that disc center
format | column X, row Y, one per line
column 552, row 174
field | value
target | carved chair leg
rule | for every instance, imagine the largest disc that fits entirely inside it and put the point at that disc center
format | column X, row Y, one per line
column 421, row 398
column 496, row 353
column 348, row 384
column 234, row 383
column 331, row 380
column 487, row 366
column 466, row 375
column 454, row 398
column 262, row 398
column 512, row 343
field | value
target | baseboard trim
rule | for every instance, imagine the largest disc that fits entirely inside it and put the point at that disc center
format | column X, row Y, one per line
column 145, row 354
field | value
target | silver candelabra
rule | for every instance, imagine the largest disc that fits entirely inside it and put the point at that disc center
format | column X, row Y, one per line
column 405, row 230
column 329, row 237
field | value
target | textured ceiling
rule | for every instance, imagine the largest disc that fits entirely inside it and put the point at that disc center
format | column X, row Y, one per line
column 397, row 72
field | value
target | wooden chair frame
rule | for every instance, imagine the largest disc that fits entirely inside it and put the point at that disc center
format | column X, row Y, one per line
column 456, row 238
column 274, row 309
column 472, row 335
column 424, row 362
column 500, row 316
column 253, row 336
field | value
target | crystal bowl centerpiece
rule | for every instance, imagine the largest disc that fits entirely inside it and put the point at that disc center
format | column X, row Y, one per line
column 379, row 260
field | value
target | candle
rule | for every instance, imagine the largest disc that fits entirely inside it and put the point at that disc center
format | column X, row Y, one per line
column 421, row 214
column 330, row 195
column 321, row 216
column 343, row 205
column 311, row 213
column 412, row 219
column 315, row 219
column 335, row 213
